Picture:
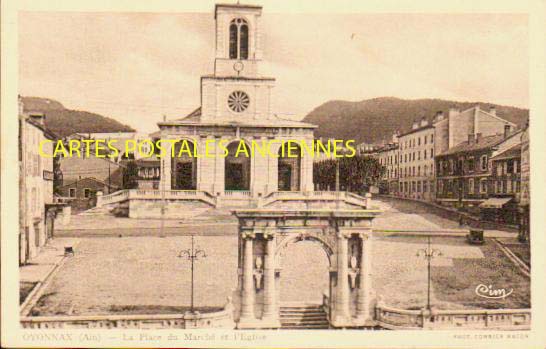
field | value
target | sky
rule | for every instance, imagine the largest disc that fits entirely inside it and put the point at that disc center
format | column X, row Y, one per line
column 137, row 67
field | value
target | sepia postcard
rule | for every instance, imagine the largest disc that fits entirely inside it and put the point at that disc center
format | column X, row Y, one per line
column 273, row 174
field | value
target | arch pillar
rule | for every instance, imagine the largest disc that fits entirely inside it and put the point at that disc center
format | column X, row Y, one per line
column 270, row 315
column 365, row 279
column 248, row 292
column 345, row 236
column 341, row 311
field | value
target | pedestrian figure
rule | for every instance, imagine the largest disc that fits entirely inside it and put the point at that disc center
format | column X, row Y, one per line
column 461, row 220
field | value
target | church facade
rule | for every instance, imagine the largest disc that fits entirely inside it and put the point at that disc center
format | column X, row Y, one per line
column 236, row 107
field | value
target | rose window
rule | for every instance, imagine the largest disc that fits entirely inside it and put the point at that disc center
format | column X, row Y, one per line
column 238, row 101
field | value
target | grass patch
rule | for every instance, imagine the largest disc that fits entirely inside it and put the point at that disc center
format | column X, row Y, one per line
column 25, row 288
column 522, row 251
column 457, row 284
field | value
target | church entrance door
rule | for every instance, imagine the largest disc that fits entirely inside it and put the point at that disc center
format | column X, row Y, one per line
column 285, row 176
column 289, row 168
column 237, row 169
column 234, row 176
column 184, row 175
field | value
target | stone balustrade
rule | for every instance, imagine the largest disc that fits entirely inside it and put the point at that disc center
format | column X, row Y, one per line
column 143, row 203
column 238, row 193
column 306, row 196
column 498, row 319
column 219, row 319
column 115, row 197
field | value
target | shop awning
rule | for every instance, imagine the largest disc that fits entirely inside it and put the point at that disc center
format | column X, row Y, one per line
column 495, row 202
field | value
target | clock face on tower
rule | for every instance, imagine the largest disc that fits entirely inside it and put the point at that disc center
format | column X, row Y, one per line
column 238, row 67
column 238, row 101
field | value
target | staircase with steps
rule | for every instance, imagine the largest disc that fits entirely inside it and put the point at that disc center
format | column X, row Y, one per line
column 303, row 317
column 96, row 211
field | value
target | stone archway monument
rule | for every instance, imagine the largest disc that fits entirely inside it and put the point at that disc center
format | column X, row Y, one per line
column 346, row 237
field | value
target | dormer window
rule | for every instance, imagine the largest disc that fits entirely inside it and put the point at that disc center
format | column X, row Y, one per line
column 238, row 39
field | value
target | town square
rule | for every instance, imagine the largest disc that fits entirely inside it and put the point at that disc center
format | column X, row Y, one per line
column 221, row 209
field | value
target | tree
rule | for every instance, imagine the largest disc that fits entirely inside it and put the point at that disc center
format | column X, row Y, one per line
column 356, row 173
column 130, row 175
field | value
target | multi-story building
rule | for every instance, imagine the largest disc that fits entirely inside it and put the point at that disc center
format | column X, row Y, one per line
column 458, row 125
column 388, row 158
column 416, row 161
column 525, row 198
column 36, row 203
column 505, row 187
column 464, row 171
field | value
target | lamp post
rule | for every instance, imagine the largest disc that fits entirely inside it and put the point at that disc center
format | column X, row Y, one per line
column 429, row 253
column 192, row 254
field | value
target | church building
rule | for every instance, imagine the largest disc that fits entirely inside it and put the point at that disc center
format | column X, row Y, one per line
column 236, row 106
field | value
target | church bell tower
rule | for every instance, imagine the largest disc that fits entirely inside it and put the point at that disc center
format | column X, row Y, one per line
column 236, row 91
column 238, row 40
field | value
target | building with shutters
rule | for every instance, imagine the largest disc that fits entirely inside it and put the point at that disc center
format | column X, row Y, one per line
column 416, row 161
column 37, row 208
column 464, row 171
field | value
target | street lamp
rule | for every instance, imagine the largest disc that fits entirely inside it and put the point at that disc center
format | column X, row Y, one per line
column 192, row 255
column 429, row 253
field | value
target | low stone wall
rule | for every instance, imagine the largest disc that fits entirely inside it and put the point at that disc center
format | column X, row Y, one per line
column 498, row 319
column 221, row 319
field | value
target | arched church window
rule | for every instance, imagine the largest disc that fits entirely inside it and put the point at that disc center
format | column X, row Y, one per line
column 233, row 41
column 238, row 39
column 244, row 42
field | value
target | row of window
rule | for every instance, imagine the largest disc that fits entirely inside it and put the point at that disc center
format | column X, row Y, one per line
column 507, row 167
column 472, row 186
column 391, row 173
column 462, row 166
column 417, row 155
column 389, row 160
column 417, row 187
column 87, row 192
column 416, row 142
column 412, row 171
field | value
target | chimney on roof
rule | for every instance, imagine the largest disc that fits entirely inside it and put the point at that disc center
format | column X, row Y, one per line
column 439, row 116
column 478, row 137
column 471, row 138
column 424, row 122
column 38, row 117
column 492, row 110
column 506, row 130
column 415, row 125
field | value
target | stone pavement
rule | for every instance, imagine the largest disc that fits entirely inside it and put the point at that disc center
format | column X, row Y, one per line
column 46, row 261
column 405, row 216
